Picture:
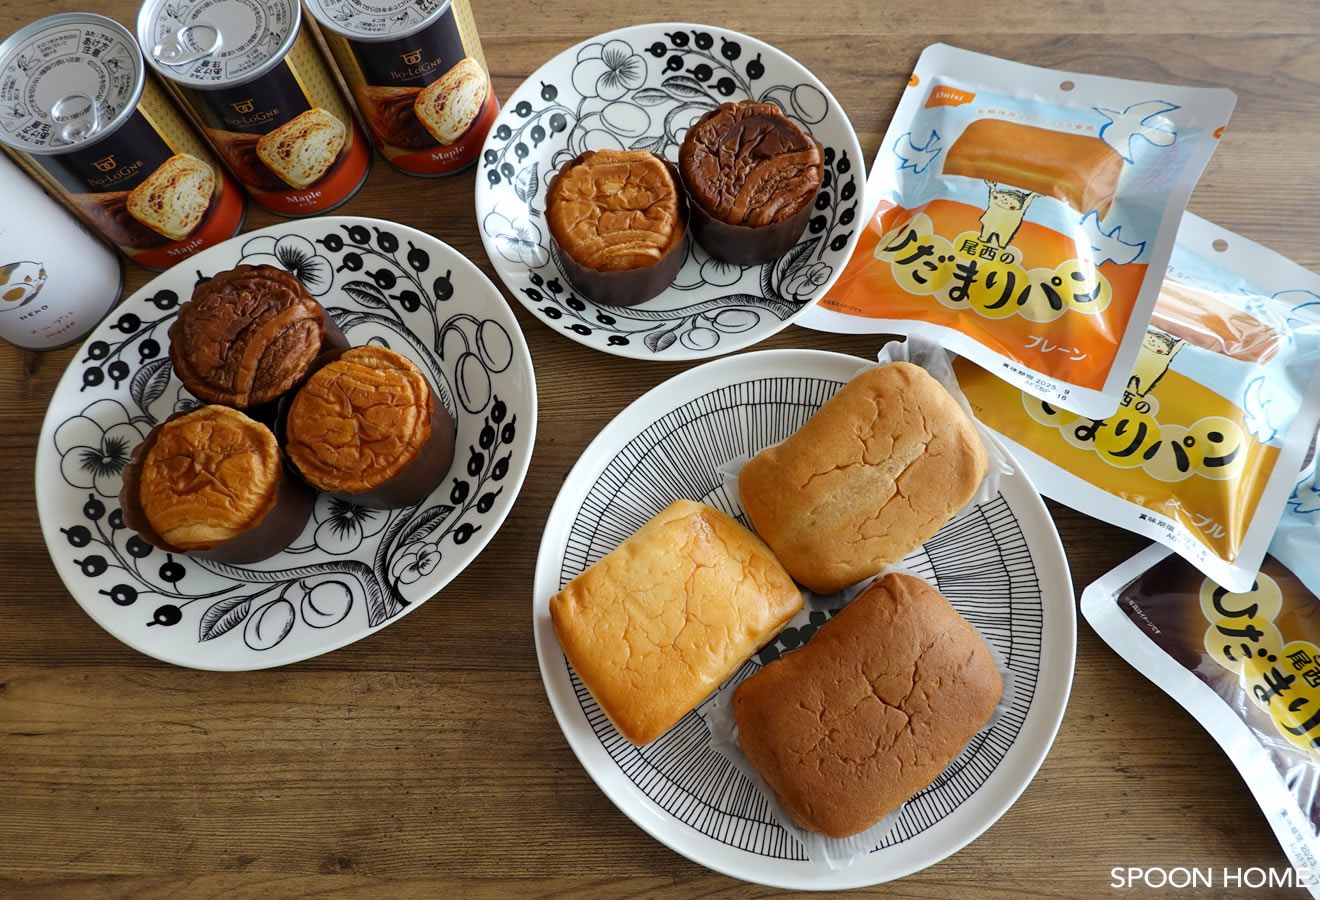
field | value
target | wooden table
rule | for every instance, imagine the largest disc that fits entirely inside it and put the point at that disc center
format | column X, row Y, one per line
column 425, row 759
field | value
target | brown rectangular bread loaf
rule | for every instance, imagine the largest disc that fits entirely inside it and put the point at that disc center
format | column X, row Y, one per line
column 871, row 710
column 659, row 622
column 870, row 477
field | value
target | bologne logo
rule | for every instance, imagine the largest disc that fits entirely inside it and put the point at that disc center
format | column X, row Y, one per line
column 413, row 58
column 105, row 164
column 243, row 107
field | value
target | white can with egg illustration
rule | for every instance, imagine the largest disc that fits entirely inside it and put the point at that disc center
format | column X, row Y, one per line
column 417, row 72
column 255, row 82
column 56, row 280
column 78, row 110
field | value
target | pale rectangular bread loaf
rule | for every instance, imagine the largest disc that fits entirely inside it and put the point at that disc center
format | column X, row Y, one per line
column 659, row 622
column 302, row 149
column 175, row 197
column 878, row 469
column 871, row 710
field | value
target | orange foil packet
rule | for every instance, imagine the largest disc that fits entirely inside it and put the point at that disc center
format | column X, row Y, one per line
column 1024, row 217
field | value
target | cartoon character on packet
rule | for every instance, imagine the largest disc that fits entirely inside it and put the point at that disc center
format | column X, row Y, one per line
column 1003, row 214
column 21, row 281
column 1157, row 351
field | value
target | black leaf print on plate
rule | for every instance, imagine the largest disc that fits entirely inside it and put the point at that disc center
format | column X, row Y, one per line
column 149, row 382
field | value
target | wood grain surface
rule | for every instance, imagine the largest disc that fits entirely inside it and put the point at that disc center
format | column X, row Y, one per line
column 425, row 761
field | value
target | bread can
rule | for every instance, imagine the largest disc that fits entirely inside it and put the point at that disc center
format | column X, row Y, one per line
column 416, row 70
column 78, row 111
column 261, row 92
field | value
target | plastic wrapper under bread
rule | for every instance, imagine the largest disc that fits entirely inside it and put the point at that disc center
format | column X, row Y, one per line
column 1244, row 665
column 1024, row 217
column 838, row 853
column 1217, row 415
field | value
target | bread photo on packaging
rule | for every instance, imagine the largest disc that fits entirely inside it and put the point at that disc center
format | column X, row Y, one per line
column 871, row 710
column 657, row 624
column 871, row 476
column 174, row 198
column 303, row 149
column 449, row 105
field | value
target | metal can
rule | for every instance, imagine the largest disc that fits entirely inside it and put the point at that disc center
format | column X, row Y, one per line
column 78, row 110
column 57, row 280
column 263, row 95
column 417, row 72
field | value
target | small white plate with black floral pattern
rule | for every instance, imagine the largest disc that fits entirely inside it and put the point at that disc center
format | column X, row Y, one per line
column 641, row 88
column 353, row 570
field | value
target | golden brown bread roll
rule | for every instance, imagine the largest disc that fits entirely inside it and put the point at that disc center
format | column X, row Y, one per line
column 872, row 475
column 1078, row 169
column 659, row 622
column 1203, row 320
column 871, row 710
column 615, row 210
column 359, row 420
column 210, row 476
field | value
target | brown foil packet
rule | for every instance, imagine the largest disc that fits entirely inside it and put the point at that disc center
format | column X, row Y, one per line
column 1245, row 665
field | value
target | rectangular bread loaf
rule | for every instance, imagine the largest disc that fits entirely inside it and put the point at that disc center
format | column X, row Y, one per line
column 659, row 622
column 870, row 477
column 871, row 710
column 1079, row 169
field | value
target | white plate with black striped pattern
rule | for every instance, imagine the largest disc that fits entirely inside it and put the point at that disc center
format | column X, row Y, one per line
column 1002, row 566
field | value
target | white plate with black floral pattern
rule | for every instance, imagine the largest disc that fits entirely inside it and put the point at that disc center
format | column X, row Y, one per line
column 641, row 88
column 353, row 570
column 1001, row 565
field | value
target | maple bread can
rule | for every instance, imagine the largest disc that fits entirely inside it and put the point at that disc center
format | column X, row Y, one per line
column 79, row 112
column 255, row 82
column 416, row 70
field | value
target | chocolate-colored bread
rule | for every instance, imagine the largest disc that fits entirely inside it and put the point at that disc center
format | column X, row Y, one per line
column 248, row 335
column 752, row 176
column 212, row 483
column 871, row 710
column 390, row 112
column 366, row 428
column 619, row 219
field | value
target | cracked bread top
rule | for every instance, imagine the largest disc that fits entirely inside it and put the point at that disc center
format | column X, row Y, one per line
column 871, row 476
column 659, row 622
column 871, row 710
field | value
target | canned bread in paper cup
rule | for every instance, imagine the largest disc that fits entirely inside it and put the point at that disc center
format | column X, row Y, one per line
column 1025, row 218
column 1216, row 414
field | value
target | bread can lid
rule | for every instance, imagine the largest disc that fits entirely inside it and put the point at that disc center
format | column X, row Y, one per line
column 67, row 80
column 216, row 43
column 376, row 20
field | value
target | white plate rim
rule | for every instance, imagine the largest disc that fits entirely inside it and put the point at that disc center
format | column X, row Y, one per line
column 484, row 205
column 1038, row 731
column 45, row 468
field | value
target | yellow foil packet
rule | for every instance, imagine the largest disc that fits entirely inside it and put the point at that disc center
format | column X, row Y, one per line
column 1215, row 417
